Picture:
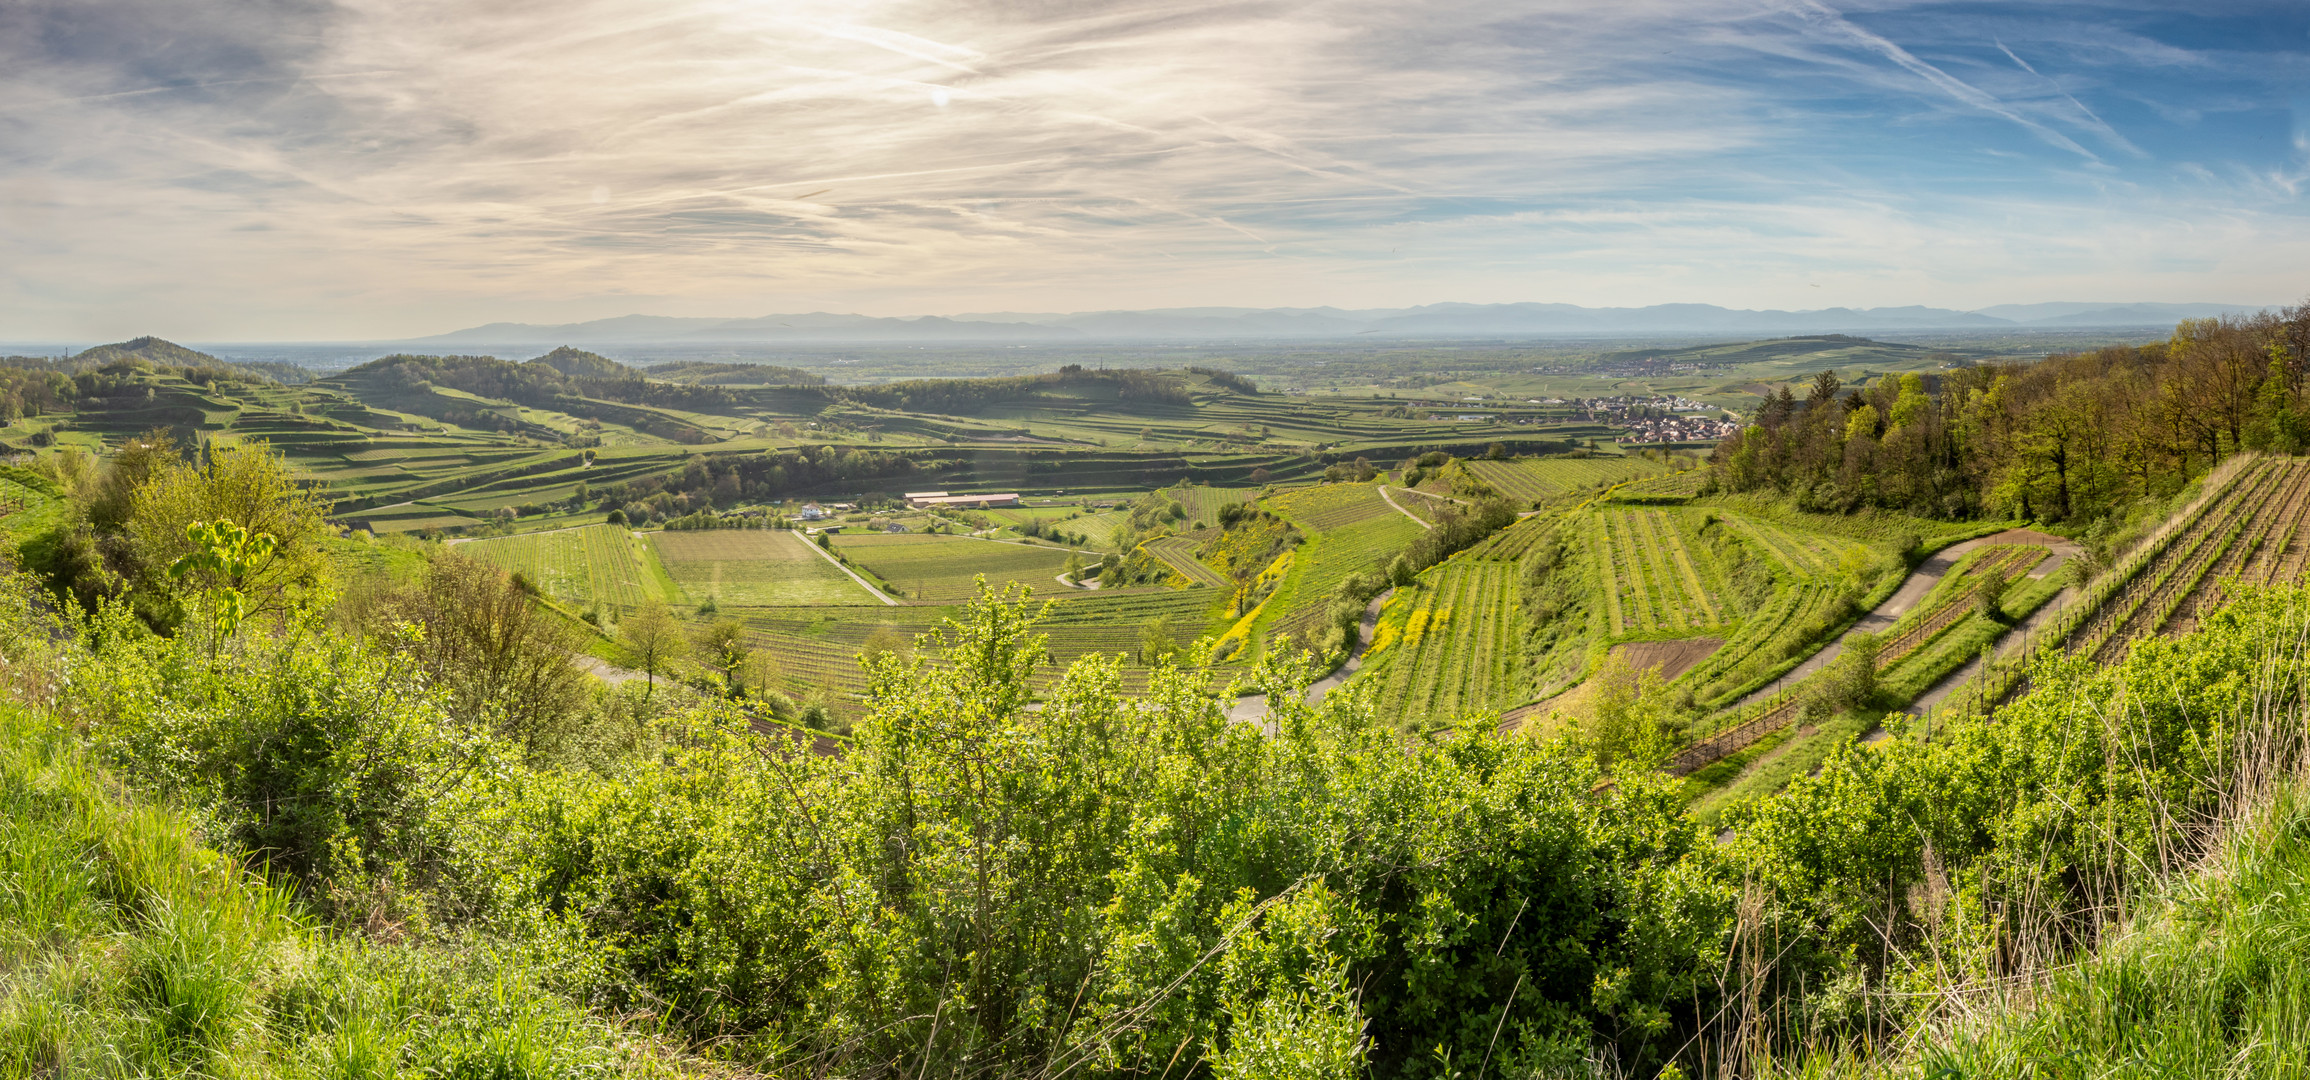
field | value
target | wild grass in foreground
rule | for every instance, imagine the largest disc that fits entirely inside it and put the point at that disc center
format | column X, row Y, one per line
column 2209, row 978
column 127, row 948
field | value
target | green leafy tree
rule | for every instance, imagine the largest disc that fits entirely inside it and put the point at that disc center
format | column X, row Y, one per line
column 250, row 488
column 224, row 559
column 652, row 640
column 721, row 645
column 504, row 663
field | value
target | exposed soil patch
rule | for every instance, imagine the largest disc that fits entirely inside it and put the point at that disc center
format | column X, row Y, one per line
column 1673, row 658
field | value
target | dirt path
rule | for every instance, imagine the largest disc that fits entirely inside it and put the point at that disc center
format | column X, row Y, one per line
column 1252, row 708
column 1920, row 582
column 1398, row 508
column 606, row 671
column 2013, row 641
column 829, row 557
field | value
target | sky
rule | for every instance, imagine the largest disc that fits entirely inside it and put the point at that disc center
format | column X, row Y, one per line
column 367, row 169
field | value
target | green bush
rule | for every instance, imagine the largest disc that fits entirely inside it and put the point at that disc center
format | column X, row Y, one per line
column 1044, row 868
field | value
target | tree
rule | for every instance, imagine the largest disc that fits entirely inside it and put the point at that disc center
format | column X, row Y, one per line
column 721, row 645
column 652, row 640
column 505, row 662
column 884, row 642
column 247, row 487
column 1632, row 721
column 225, row 558
column 1156, row 641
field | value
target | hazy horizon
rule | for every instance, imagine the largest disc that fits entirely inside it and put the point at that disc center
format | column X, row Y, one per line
column 318, row 171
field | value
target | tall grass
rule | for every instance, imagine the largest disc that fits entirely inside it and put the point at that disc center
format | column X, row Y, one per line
column 2209, row 977
column 2182, row 952
column 127, row 948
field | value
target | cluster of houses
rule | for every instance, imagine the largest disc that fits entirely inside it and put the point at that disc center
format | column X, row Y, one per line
column 1674, row 429
column 1625, row 406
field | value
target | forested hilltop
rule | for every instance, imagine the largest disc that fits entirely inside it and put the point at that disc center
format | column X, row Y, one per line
column 448, row 850
column 2072, row 438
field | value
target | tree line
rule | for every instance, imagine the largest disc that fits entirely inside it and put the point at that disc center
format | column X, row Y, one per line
column 2075, row 437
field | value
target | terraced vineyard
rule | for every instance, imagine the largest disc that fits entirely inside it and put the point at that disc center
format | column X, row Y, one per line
column 2192, row 565
column 1653, row 580
column 1178, row 553
column 944, row 567
column 1451, row 642
column 1331, row 506
column 1944, row 607
column 1329, row 557
column 1667, row 485
column 1947, row 604
column 2258, row 554
column 1534, row 480
column 1515, row 541
column 2245, row 526
column 753, row 566
column 1766, row 638
column 601, row 564
column 1203, row 501
column 1805, row 556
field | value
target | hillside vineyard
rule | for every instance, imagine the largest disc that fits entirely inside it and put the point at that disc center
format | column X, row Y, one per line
column 1389, row 713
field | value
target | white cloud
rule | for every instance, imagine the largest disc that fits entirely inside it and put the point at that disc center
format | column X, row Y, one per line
column 405, row 166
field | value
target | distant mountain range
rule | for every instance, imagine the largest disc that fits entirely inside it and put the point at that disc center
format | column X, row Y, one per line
column 1427, row 321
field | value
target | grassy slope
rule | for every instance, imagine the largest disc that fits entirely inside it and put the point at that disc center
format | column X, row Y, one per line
column 2211, row 978
column 131, row 949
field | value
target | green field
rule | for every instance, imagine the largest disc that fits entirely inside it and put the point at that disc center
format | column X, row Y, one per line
column 1331, row 506
column 753, row 567
column 943, row 567
column 1350, row 531
column 1804, row 556
column 595, row 564
column 1534, row 480
column 1449, row 643
column 1178, row 553
column 1654, row 580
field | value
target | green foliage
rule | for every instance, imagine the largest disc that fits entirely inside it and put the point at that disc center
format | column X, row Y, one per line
column 2073, row 438
column 132, row 949
column 2205, row 979
column 227, row 557
column 1010, row 867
